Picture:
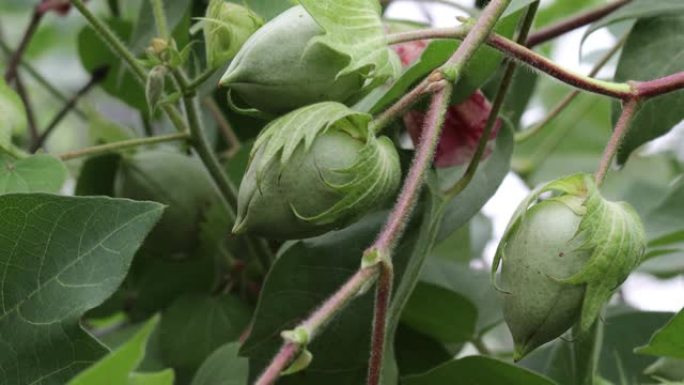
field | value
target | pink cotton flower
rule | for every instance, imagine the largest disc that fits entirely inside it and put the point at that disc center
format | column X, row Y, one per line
column 463, row 124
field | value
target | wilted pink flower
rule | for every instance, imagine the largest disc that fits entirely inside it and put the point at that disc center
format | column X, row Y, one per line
column 60, row 7
column 463, row 123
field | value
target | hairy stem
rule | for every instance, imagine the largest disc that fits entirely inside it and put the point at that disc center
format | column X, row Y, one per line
column 629, row 110
column 499, row 100
column 123, row 145
column 313, row 324
column 160, row 18
column 383, row 293
column 560, row 107
column 525, row 55
column 400, row 107
column 96, row 77
column 15, row 59
column 573, row 22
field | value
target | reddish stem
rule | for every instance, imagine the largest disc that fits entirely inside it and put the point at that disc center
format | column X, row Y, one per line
column 573, row 22
column 629, row 110
column 15, row 59
column 383, row 294
column 659, row 86
column 286, row 354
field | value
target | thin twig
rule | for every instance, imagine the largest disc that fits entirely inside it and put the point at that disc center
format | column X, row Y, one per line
column 560, row 107
column 629, row 110
column 28, row 106
column 15, row 59
column 224, row 126
column 383, row 293
column 499, row 100
column 95, row 78
column 573, row 22
column 123, row 145
column 400, row 107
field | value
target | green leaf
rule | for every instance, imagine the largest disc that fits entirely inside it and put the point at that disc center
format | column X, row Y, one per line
column 354, row 28
column 37, row 173
column 477, row 370
column 440, row 313
column 61, row 256
column 638, row 9
column 416, row 352
column 165, row 377
column 625, row 332
column 145, row 29
column 667, row 368
column 576, row 362
column 223, row 367
column 195, row 325
column 97, row 175
column 116, row 368
column 268, row 9
column 650, row 53
column 13, row 116
column 668, row 341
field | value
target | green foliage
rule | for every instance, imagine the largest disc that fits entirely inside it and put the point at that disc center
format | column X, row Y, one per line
column 641, row 60
column 62, row 256
column 667, row 341
column 36, row 173
column 13, row 117
column 226, row 28
column 223, row 367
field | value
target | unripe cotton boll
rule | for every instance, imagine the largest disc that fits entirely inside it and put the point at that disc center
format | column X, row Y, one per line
column 227, row 26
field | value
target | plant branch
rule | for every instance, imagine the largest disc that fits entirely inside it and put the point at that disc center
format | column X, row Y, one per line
column 617, row 90
column 313, row 324
column 499, row 100
column 224, row 126
column 15, row 59
column 28, row 105
column 201, row 78
column 573, row 22
column 560, row 107
column 160, row 18
column 383, row 293
column 629, row 110
column 122, row 145
column 400, row 107
column 123, row 52
column 659, row 86
column 95, row 78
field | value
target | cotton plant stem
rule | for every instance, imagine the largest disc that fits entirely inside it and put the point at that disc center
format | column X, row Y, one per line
column 383, row 294
column 160, row 18
column 224, row 126
column 124, row 53
column 573, row 22
column 28, row 106
column 565, row 102
column 629, row 111
column 400, row 107
column 525, row 55
column 15, row 59
column 123, row 145
column 499, row 100
column 97, row 76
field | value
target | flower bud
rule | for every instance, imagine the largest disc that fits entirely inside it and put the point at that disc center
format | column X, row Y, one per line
column 314, row 170
column 226, row 28
column 562, row 258
column 154, row 175
column 282, row 67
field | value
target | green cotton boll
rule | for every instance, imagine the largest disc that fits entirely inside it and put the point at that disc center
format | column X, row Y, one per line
column 562, row 259
column 178, row 181
column 280, row 68
column 314, row 170
column 227, row 26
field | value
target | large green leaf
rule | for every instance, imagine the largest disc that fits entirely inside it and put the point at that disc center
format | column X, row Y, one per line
column 668, row 341
column 354, row 28
column 37, row 173
column 623, row 333
column 440, row 313
column 651, row 52
column 118, row 366
column 223, row 367
column 638, row 9
column 60, row 256
column 195, row 325
column 477, row 370
column 268, row 9
column 416, row 353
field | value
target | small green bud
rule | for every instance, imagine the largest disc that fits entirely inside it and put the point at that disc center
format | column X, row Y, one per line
column 562, row 258
column 314, row 170
column 282, row 67
column 154, row 88
column 227, row 26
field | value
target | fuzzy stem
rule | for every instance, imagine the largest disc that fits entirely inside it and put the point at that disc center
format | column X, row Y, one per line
column 383, row 293
column 96, row 77
column 105, row 33
column 122, row 145
column 659, row 86
column 499, row 100
column 160, row 18
column 399, row 108
column 555, row 111
column 531, row 58
column 317, row 320
column 15, row 59
column 573, row 22
column 629, row 110
column 201, row 78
